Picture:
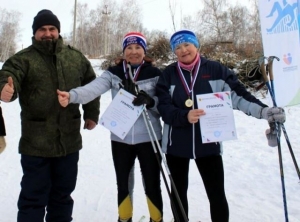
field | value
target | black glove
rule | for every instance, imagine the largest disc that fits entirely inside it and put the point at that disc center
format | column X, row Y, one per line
column 143, row 98
column 128, row 86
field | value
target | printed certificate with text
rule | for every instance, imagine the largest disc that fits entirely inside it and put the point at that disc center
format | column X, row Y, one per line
column 218, row 123
column 121, row 114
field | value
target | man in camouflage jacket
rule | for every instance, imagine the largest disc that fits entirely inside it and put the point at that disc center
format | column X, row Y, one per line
column 50, row 138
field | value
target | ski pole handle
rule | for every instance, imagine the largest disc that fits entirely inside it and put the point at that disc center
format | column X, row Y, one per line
column 270, row 65
column 261, row 62
column 266, row 78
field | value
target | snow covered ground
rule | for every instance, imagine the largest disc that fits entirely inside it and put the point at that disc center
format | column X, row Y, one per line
column 252, row 175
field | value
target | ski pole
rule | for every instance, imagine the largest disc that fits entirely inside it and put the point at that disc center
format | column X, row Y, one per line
column 151, row 133
column 270, row 65
column 277, row 128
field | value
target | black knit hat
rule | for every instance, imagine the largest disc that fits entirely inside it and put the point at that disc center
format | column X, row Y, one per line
column 45, row 17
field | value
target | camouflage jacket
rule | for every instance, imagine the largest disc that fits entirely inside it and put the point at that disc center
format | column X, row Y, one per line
column 49, row 130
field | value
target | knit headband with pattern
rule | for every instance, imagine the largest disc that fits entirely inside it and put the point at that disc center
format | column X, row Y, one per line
column 183, row 36
column 134, row 38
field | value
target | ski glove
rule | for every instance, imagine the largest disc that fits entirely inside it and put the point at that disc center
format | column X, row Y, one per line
column 273, row 114
column 128, row 85
column 143, row 98
column 272, row 137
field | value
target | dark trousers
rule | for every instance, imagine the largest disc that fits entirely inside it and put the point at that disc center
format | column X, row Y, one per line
column 212, row 173
column 2, row 124
column 124, row 156
column 47, row 184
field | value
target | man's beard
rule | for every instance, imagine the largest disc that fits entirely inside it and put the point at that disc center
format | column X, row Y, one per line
column 48, row 39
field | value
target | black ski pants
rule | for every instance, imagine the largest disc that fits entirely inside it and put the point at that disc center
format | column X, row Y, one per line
column 124, row 156
column 212, row 173
column 2, row 124
column 47, row 184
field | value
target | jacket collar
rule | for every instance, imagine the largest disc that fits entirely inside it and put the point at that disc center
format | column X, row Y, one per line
column 48, row 47
column 203, row 61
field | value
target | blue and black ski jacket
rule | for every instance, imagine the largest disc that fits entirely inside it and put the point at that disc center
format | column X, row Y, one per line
column 181, row 138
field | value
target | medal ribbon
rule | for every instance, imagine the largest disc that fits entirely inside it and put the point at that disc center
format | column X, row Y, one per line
column 135, row 73
column 194, row 75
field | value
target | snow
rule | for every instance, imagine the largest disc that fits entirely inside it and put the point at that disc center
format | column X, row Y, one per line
column 252, row 175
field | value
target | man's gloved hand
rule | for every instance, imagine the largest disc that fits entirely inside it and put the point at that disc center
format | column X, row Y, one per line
column 272, row 137
column 143, row 98
column 273, row 114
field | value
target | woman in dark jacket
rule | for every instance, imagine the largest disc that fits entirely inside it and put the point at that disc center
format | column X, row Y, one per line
column 176, row 90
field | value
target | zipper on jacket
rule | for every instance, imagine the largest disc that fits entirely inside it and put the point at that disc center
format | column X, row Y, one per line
column 135, row 89
column 170, row 137
column 132, row 135
column 192, row 97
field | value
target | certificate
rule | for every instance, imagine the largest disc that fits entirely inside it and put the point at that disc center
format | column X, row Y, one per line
column 121, row 114
column 218, row 122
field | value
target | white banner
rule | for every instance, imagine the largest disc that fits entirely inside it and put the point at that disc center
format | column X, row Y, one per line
column 280, row 35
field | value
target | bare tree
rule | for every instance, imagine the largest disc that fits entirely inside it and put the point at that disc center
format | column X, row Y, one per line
column 213, row 19
column 254, row 34
column 172, row 8
column 9, row 25
column 96, row 32
column 128, row 18
column 82, row 28
column 99, row 33
column 237, row 24
column 190, row 22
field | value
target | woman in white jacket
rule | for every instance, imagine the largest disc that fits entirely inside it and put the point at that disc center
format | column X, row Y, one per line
column 137, row 142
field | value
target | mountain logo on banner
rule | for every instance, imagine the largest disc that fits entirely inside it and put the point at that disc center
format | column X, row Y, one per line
column 282, row 17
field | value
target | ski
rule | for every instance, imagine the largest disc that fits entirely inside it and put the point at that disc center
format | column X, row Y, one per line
column 172, row 220
column 142, row 219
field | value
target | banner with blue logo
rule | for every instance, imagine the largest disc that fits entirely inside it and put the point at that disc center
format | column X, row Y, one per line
column 280, row 35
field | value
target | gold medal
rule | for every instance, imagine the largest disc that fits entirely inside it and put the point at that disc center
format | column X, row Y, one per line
column 189, row 103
